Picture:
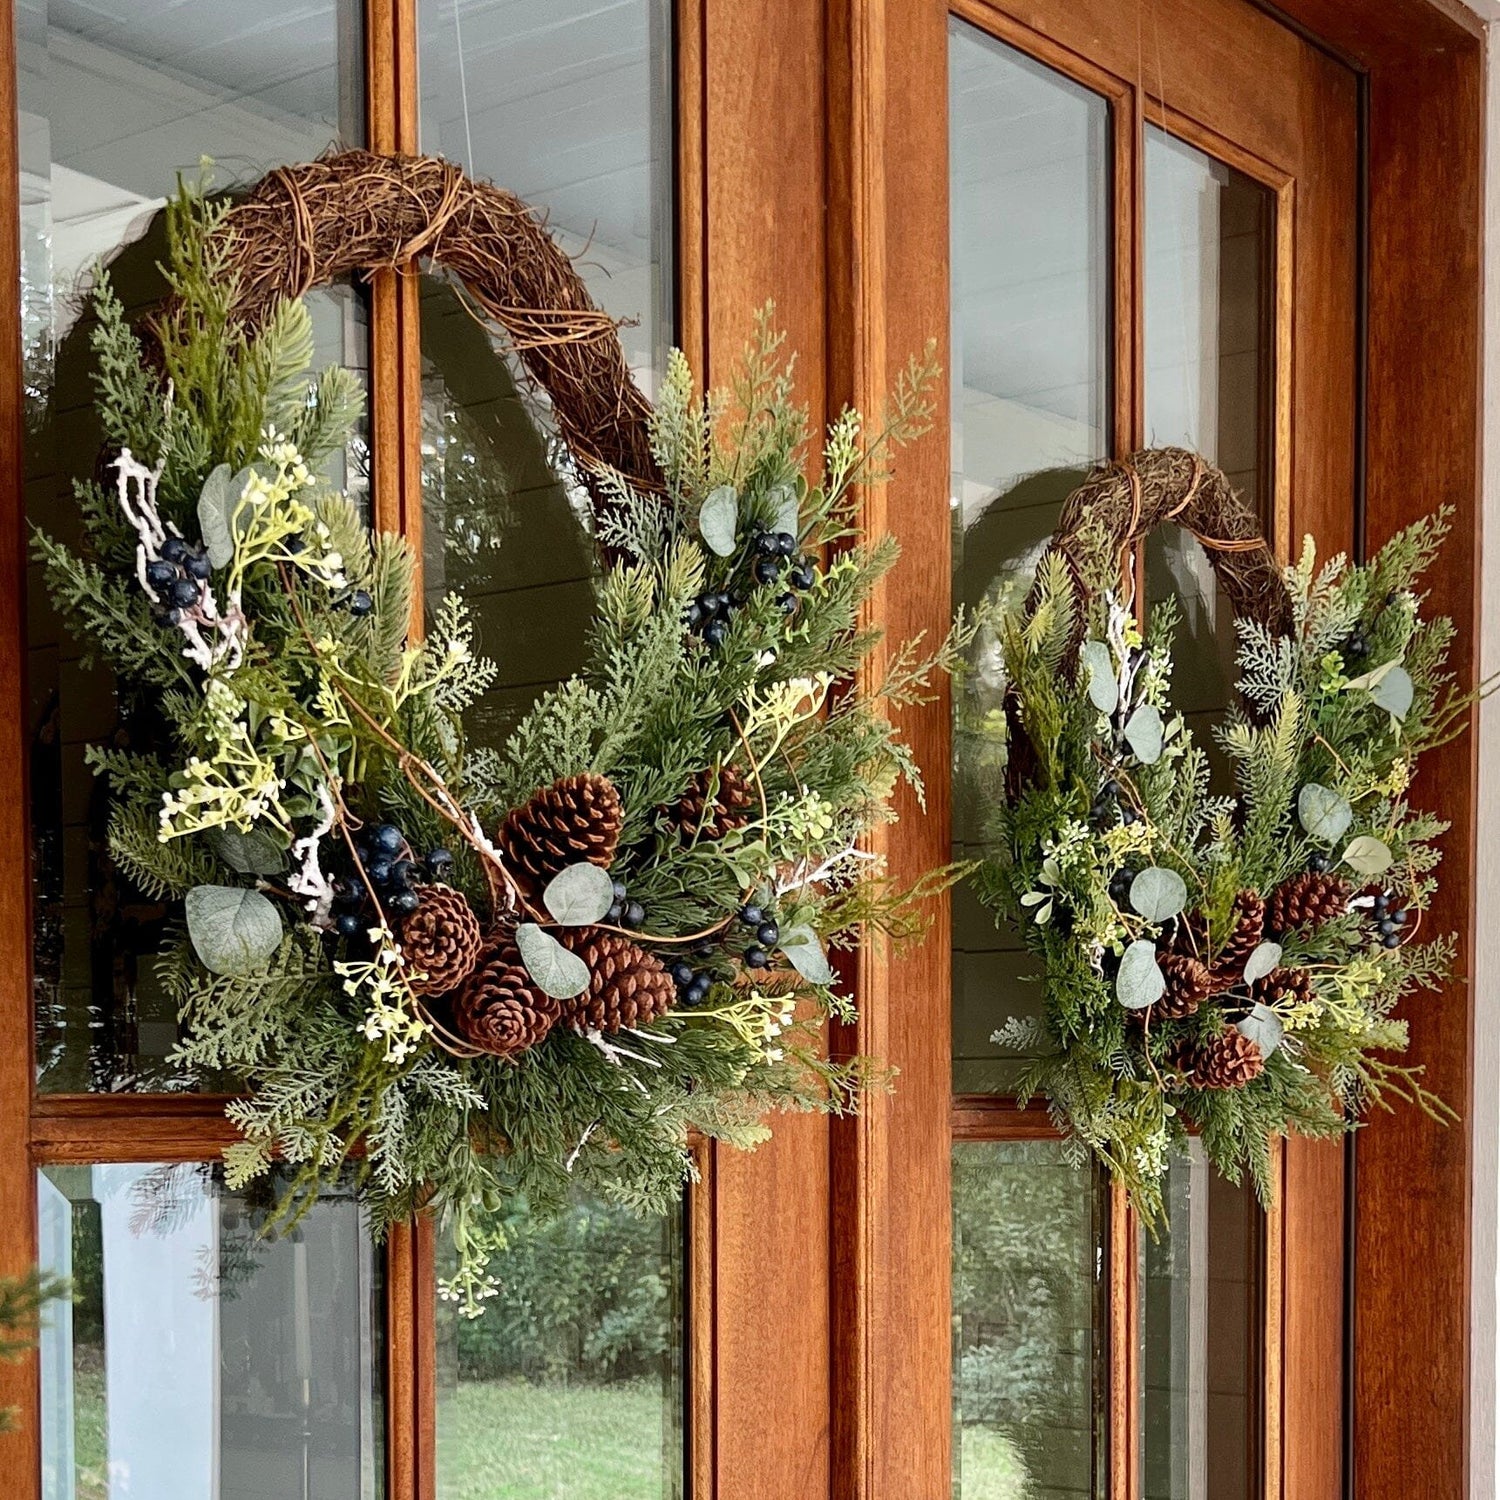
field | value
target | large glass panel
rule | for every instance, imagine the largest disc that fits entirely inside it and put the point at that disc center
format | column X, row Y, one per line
column 1208, row 357
column 1028, row 1262
column 571, row 109
column 1030, row 358
column 1202, row 1322
column 201, row 1360
column 570, row 1385
column 115, row 98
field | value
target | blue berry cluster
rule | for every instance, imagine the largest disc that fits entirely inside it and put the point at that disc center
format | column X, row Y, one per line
column 1389, row 920
column 177, row 578
column 624, row 912
column 388, row 865
column 694, row 980
column 769, row 561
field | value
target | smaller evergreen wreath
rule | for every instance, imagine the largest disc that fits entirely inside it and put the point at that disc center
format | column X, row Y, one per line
column 460, row 972
column 1225, row 965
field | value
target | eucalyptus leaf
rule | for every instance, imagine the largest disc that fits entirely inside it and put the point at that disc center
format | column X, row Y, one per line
column 1262, row 961
column 1158, row 894
column 786, row 513
column 255, row 852
column 1368, row 855
column 719, row 520
column 1104, row 686
column 557, row 972
column 580, row 894
column 806, row 953
column 1394, row 691
column 1263, row 1027
column 1145, row 734
column 1322, row 812
column 233, row 929
column 217, row 502
column 1140, row 981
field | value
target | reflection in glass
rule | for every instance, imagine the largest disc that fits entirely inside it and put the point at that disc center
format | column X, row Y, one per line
column 201, row 1359
column 573, row 112
column 1201, row 1327
column 1028, row 1335
column 1208, row 353
column 115, row 98
column 570, row 1385
column 1029, row 180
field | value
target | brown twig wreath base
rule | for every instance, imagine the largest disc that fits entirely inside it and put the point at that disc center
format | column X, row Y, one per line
column 354, row 212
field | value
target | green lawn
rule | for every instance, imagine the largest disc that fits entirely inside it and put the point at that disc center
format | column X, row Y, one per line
column 509, row 1440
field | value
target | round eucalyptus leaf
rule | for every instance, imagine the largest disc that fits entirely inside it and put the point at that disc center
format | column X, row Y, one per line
column 255, row 852
column 1368, row 855
column 1262, row 961
column 1322, row 812
column 807, row 956
column 1140, row 981
column 580, row 894
column 233, row 929
column 1104, row 686
column 1263, row 1027
column 557, row 972
column 1145, row 734
column 719, row 520
column 1393, row 691
column 1158, row 894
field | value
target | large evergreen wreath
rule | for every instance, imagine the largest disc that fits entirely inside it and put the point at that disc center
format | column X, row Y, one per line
column 1222, row 964
column 461, row 970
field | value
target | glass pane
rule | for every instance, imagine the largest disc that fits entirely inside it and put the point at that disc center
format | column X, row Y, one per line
column 1202, row 1315
column 1030, row 358
column 570, row 1385
column 573, row 113
column 1209, row 239
column 201, row 1359
column 1028, row 1323
column 115, row 98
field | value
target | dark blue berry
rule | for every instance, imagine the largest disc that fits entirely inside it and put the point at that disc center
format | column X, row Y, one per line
column 172, row 616
column 174, row 549
column 617, row 889
column 183, row 593
column 698, row 989
column 159, row 574
column 615, row 913
column 682, row 973
column 708, row 605
column 388, row 838
column 802, row 576
column 635, row 913
column 786, row 543
column 704, row 948
column 380, row 872
column 694, row 615
column 752, row 916
column 439, row 863
column 349, row 926
column 1318, row 864
column 767, row 545
column 295, row 544
column 1388, row 926
column 787, row 604
column 1392, row 940
column 767, row 570
column 756, row 957
column 768, row 933
column 1399, row 916
column 404, row 903
column 1381, row 903
column 360, row 603
column 403, row 872
column 198, row 565
column 714, row 632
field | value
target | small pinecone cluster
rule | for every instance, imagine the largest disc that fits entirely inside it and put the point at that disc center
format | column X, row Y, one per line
column 714, row 804
column 577, row 818
column 499, row 1009
column 1229, row 1060
column 627, row 985
column 1306, row 900
column 1283, row 987
column 441, row 940
column 1189, row 984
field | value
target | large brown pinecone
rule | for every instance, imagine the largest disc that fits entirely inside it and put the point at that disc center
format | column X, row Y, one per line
column 627, row 985
column 575, row 819
column 1189, row 984
column 698, row 816
column 499, row 1009
column 1306, row 900
column 1283, row 987
column 1228, row 964
column 441, row 940
column 1227, row 1061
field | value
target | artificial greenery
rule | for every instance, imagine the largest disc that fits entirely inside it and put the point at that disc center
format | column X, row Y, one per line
column 1117, row 858
column 243, row 604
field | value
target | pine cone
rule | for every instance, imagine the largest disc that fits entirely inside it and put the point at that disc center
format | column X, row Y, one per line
column 733, row 794
column 627, row 986
column 499, row 1009
column 441, row 940
column 1227, row 1061
column 1228, row 964
column 1283, row 987
column 1189, row 984
column 1306, row 900
column 577, row 818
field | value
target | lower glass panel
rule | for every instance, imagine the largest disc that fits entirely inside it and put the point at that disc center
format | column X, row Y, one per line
column 1202, row 1314
column 1028, row 1322
column 570, row 1386
column 201, row 1361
